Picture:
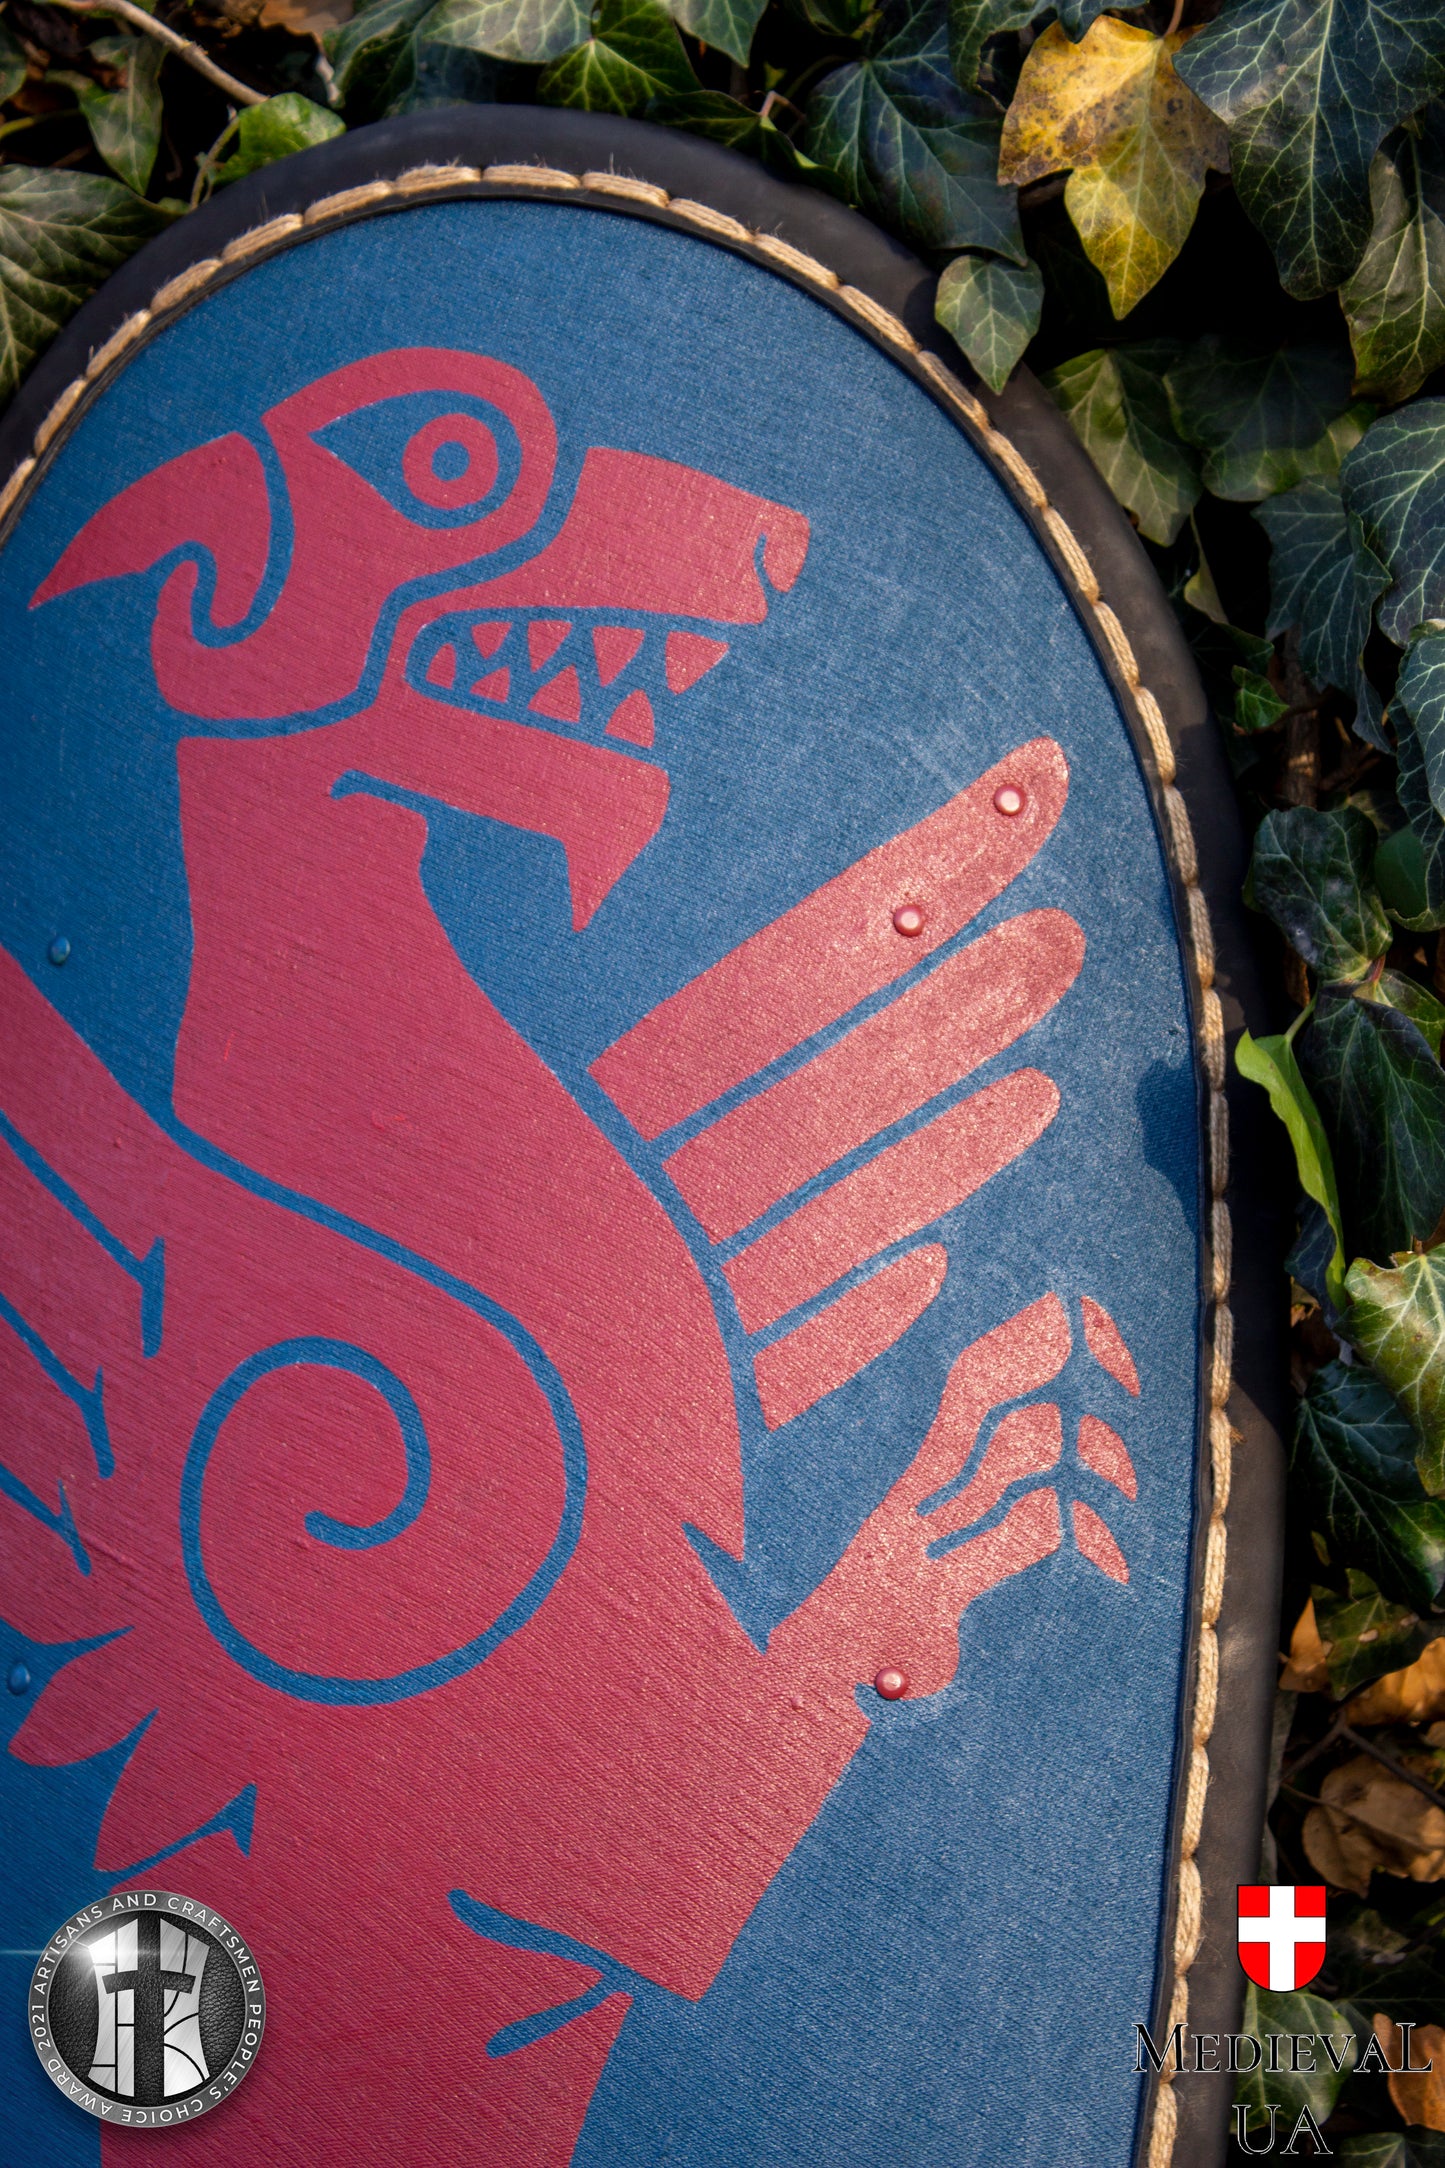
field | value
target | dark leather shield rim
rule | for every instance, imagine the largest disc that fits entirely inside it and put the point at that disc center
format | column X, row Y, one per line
column 882, row 272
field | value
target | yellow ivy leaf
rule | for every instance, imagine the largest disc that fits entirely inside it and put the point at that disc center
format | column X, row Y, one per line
column 1136, row 139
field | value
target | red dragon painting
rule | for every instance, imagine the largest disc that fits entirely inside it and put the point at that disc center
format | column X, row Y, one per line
column 362, row 1419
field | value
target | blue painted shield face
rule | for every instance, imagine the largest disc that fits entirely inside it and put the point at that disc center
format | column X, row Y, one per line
column 602, row 1137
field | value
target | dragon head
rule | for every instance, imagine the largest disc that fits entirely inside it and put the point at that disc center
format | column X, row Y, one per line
column 400, row 525
column 383, row 478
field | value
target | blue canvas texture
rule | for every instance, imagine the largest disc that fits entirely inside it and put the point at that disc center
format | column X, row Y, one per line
column 948, row 1968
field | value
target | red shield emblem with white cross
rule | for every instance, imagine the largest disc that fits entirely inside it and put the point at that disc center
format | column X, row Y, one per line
column 1281, row 1933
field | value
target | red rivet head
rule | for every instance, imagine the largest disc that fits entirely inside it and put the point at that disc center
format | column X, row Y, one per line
column 1009, row 799
column 908, row 919
column 891, row 1683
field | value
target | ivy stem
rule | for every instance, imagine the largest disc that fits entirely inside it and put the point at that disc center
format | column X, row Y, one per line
column 1175, row 18
column 1338, row 1730
column 208, row 161
column 34, row 120
column 1299, row 782
column 192, row 54
column 1303, row 1018
column 1313, row 1799
column 805, row 80
column 1312, row 1753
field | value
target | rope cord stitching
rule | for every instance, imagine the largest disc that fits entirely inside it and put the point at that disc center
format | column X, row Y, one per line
column 429, row 180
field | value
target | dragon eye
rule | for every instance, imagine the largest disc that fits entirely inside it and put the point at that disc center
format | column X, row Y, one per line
column 451, row 462
column 442, row 458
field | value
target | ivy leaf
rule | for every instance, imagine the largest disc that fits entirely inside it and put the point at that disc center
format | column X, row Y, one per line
column 1308, row 93
column 840, row 18
column 1200, row 593
column 1382, row 1093
column 910, row 147
column 1373, row 1076
column 1291, row 2090
column 633, row 54
column 1137, row 140
column 1076, row 15
column 1420, row 691
column 1233, row 665
column 274, row 130
column 1117, row 403
column 1311, row 1255
column 1259, row 416
column 124, row 123
column 727, row 24
column 530, row 31
column 1311, row 873
column 1394, row 301
column 1271, row 1062
column 1411, row 879
column 1394, row 492
column 971, row 23
column 428, row 75
column 1370, row 1958
column 1354, row 1452
column 992, row 310
column 373, row 57
column 722, row 119
column 1397, row 1321
column 1315, row 581
column 1392, row 2148
column 1410, row 865
column 13, row 65
column 1364, row 1634
column 1360, row 1941
column 61, row 233
column 1257, row 706
column 1413, row 1000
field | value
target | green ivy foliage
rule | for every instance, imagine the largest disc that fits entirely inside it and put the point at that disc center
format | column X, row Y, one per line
column 1254, row 358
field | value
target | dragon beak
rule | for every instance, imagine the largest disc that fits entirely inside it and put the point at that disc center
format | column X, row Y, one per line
column 214, row 497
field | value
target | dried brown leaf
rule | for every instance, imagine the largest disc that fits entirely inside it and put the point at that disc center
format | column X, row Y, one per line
column 1340, row 1854
column 306, row 18
column 1372, row 1821
column 1418, row 2094
column 1307, row 1671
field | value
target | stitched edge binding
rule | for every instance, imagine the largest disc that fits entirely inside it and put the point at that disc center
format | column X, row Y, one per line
column 421, row 181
